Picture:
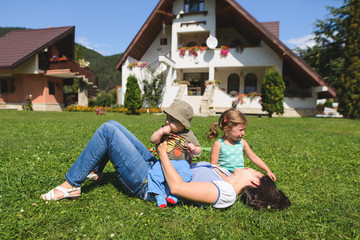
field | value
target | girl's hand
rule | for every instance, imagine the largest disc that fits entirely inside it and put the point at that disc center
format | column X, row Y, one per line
column 271, row 175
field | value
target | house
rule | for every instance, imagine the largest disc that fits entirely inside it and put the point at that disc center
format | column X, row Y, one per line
column 199, row 42
column 37, row 62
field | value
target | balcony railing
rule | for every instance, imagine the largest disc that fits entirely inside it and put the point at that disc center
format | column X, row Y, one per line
column 73, row 67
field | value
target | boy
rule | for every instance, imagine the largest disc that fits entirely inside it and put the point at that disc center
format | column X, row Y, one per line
column 182, row 144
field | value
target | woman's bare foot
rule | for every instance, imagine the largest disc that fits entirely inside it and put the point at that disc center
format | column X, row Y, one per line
column 64, row 190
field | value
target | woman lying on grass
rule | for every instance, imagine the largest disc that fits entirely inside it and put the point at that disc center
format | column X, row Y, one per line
column 132, row 161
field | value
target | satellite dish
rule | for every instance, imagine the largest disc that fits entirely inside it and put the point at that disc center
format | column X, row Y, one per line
column 211, row 42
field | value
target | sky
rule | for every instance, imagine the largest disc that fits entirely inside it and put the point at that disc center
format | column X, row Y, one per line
column 108, row 26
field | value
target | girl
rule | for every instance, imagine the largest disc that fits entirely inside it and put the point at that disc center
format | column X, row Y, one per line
column 227, row 151
column 132, row 161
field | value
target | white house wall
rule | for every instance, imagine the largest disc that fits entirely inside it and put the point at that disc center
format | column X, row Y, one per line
column 151, row 56
column 250, row 60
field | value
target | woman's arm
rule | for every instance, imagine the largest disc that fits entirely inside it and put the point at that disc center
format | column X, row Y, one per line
column 215, row 152
column 204, row 192
column 256, row 160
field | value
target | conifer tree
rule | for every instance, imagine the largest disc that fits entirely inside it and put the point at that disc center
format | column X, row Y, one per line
column 349, row 91
column 272, row 92
column 132, row 99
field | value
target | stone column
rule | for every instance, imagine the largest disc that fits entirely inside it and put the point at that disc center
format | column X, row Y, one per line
column 83, row 99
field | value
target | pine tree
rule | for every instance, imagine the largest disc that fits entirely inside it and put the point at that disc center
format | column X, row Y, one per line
column 349, row 91
column 327, row 56
column 272, row 92
column 132, row 99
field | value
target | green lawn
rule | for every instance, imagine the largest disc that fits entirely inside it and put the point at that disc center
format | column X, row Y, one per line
column 316, row 162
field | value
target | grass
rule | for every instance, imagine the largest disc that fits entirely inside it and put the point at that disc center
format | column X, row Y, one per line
column 316, row 162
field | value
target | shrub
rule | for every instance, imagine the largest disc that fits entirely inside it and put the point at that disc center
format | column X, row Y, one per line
column 272, row 92
column 106, row 98
column 152, row 92
column 132, row 99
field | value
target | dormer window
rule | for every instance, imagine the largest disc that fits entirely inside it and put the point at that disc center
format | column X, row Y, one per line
column 193, row 6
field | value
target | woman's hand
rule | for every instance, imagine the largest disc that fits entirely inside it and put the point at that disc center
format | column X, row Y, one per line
column 162, row 147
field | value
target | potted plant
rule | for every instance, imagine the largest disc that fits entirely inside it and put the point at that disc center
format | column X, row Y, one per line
column 177, row 81
column 224, row 51
column 63, row 58
column 54, row 58
column 185, row 82
column 252, row 95
column 209, row 82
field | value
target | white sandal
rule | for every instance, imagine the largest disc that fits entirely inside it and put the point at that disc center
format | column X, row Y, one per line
column 51, row 195
column 94, row 175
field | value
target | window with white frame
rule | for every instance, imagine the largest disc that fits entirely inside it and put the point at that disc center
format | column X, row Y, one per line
column 250, row 83
column 193, row 6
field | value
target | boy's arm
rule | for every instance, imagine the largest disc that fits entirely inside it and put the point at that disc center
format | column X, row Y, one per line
column 215, row 152
column 157, row 135
column 256, row 160
column 196, row 150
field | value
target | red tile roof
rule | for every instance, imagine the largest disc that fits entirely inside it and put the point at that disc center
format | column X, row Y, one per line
column 272, row 27
column 20, row 45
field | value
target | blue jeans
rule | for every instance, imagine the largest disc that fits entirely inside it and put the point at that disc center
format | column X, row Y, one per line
column 131, row 159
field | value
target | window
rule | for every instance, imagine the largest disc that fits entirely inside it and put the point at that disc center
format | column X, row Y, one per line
column 51, row 86
column 163, row 41
column 250, row 83
column 233, row 83
column 191, row 44
column 193, row 5
column 7, row 85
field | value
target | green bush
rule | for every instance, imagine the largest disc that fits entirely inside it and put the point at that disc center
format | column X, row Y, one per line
column 106, row 98
column 132, row 99
column 328, row 103
column 272, row 92
column 152, row 92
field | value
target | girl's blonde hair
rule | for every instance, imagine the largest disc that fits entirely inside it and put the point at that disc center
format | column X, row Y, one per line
column 227, row 120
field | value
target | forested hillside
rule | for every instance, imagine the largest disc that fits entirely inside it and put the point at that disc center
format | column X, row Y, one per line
column 103, row 66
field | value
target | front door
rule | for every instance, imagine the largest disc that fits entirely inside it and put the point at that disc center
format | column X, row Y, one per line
column 197, row 82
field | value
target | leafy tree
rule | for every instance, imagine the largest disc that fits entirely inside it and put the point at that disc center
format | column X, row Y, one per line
column 327, row 56
column 272, row 92
column 349, row 91
column 152, row 92
column 132, row 99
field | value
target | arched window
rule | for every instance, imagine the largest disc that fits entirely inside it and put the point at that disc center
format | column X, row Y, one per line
column 233, row 83
column 250, row 83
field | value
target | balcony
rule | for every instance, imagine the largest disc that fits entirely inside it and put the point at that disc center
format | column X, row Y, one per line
column 248, row 56
column 66, row 68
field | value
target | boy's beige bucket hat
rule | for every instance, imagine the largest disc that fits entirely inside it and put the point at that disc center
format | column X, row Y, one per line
column 181, row 111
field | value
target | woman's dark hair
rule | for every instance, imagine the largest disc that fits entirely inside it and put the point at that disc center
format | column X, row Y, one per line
column 267, row 195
